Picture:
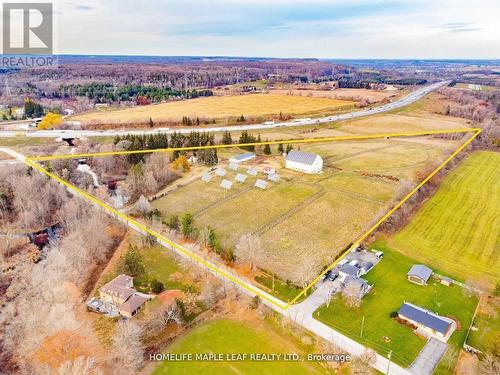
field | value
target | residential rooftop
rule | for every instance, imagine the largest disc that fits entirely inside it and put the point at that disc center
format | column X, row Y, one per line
column 420, row 271
column 425, row 317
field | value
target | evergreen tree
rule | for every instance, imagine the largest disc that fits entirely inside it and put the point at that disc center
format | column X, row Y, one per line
column 226, row 138
column 280, row 148
column 289, row 148
column 187, row 225
column 267, row 149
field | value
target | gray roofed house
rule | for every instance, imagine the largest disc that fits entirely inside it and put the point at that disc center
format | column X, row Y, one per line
column 118, row 296
column 349, row 270
column 132, row 305
column 206, row 177
column 419, row 274
column 304, row 162
column 233, row 166
column 242, row 157
column 357, row 284
column 426, row 320
column 117, row 290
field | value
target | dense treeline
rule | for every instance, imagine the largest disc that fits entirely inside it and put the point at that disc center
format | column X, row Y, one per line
column 176, row 140
column 108, row 92
column 482, row 107
column 32, row 109
column 404, row 81
column 245, row 137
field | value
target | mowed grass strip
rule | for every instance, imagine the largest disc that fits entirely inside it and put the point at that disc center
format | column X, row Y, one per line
column 228, row 336
column 458, row 229
column 198, row 195
column 253, row 209
column 319, row 232
column 391, row 290
column 219, row 107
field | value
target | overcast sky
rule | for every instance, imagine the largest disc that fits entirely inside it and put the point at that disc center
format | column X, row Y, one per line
column 281, row 28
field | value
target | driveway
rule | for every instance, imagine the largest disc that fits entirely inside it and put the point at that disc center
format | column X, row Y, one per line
column 429, row 357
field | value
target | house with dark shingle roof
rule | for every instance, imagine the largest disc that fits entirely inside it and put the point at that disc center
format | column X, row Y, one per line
column 131, row 306
column 304, row 162
column 419, row 274
column 427, row 322
column 120, row 294
column 348, row 270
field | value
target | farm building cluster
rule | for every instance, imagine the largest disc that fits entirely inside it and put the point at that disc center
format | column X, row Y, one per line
column 241, row 173
column 295, row 160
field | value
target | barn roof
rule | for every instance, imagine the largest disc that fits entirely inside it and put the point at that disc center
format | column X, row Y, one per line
column 420, row 271
column 301, row 157
column 425, row 317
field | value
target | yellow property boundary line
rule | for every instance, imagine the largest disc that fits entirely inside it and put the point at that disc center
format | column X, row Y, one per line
column 32, row 162
column 287, row 141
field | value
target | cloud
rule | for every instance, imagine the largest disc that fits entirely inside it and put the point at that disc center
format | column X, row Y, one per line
column 83, row 7
column 459, row 27
column 282, row 28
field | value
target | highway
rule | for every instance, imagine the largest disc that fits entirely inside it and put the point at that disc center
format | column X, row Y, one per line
column 404, row 101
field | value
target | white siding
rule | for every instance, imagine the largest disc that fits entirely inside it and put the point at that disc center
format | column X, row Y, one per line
column 316, row 167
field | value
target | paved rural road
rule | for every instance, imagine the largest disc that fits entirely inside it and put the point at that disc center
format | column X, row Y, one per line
column 408, row 99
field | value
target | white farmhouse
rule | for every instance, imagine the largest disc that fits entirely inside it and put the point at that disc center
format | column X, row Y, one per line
column 304, row 162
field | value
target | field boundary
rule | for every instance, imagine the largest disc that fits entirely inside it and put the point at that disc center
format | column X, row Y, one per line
column 33, row 162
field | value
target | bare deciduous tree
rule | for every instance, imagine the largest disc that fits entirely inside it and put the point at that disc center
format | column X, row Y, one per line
column 128, row 345
column 490, row 364
column 249, row 249
column 352, row 295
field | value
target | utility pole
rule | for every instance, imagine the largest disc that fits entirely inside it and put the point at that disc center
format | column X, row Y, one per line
column 389, row 363
column 362, row 325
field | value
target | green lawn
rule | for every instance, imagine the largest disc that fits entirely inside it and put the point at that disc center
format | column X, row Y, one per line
column 458, row 229
column 159, row 265
column 391, row 290
column 284, row 291
column 487, row 334
column 227, row 336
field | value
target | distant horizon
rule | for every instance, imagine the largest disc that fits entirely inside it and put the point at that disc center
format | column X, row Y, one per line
column 364, row 29
column 285, row 57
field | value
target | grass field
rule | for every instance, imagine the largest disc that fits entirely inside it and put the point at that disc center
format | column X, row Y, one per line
column 391, row 290
column 218, row 107
column 159, row 265
column 306, row 217
column 458, row 229
column 487, row 335
column 228, row 336
column 462, row 85
column 343, row 94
